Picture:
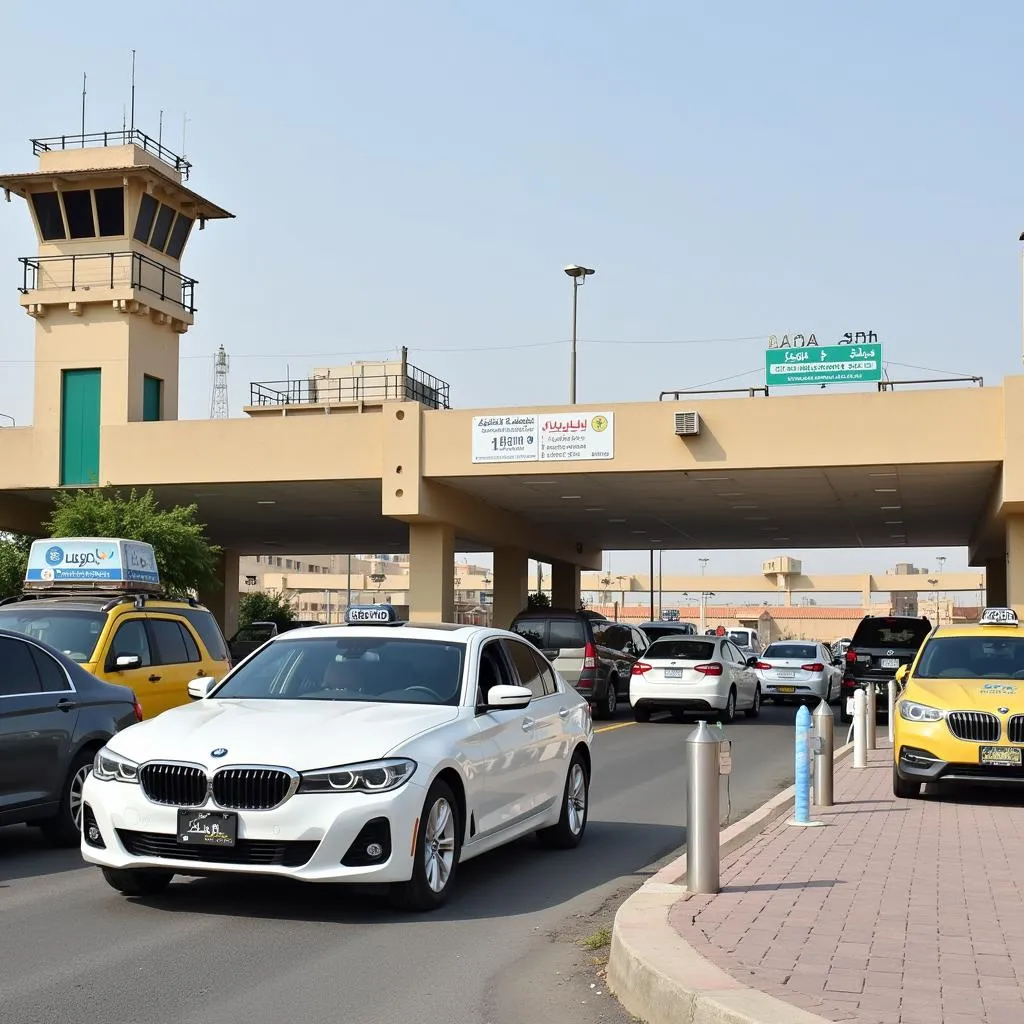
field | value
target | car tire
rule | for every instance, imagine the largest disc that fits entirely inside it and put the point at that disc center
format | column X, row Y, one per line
column 610, row 704
column 65, row 827
column 572, row 822
column 904, row 788
column 642, row 714
column 138, row 882
column 755, row 709
column 436, row 856
column 729, row 712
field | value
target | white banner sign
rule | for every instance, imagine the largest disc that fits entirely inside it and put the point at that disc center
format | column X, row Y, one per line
column 544, row 437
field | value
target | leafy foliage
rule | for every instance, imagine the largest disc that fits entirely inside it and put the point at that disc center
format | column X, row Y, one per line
column 187, row 561
column 538, row 600
column 14, row 549
column 265, row 606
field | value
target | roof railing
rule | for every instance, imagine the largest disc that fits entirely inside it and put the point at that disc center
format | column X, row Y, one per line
column 124, row 137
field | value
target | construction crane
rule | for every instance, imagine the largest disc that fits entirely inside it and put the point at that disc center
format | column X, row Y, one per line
column 219, row 399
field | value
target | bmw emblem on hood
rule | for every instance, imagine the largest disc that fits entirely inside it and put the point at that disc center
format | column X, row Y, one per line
column 219, row 752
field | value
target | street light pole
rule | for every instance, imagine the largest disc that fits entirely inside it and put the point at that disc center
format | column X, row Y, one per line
column 703, row 596
column 579, row 276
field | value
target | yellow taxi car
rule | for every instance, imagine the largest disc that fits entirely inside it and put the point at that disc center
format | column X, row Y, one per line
column 960, row 708
column 100, row 602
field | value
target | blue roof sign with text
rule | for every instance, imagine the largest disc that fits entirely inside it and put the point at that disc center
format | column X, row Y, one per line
column 92, row 560
column 823, row 364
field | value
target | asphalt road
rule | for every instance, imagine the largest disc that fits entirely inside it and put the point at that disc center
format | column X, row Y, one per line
column 511, row 946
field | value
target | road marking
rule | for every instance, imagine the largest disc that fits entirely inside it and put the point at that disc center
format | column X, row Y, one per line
column 608, row 728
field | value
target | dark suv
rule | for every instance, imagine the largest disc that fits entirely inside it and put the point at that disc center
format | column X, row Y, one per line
column 880, row 645
column 594, row 656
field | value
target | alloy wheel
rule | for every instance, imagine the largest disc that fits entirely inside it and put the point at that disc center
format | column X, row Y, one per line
column 439, row 845
column 576, row 798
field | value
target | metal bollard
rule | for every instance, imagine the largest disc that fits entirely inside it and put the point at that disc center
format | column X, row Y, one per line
column 892, row 706
column 860, row 729
column 802, row 807
column 824, row 734
column 871, row 732
column 703, row 812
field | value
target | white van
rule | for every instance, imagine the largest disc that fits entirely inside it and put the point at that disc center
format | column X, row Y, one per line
column 744, row 637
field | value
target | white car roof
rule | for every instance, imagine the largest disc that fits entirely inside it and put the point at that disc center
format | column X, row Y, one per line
column 438, row 631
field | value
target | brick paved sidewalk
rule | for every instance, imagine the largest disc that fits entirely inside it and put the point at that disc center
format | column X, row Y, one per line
column 897, row 911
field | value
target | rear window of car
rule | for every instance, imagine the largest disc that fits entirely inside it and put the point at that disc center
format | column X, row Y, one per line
column 972, row 657
column 680, row 650
column 789, row 651
column 553, row 634
column 209, row 632
column 891, row 633
column 658, row 632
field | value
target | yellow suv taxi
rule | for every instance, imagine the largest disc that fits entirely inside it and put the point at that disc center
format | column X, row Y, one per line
column 960, row 709
column 81, row 598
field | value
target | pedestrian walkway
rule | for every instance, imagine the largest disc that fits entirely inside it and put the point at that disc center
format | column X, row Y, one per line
column 894, row 912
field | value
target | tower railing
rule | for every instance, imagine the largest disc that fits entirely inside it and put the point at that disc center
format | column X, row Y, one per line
column 124, row 137
column 86, row 271
column 416, row 386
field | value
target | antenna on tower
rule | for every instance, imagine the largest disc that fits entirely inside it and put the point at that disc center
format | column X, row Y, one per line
column 133, row 93
column 219, row 399
column 83, row 108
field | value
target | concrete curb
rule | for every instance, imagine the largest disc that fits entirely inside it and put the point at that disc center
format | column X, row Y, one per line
column 662, row 979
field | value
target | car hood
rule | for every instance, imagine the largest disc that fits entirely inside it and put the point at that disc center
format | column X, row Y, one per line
column 967, row 694
column 298, row 734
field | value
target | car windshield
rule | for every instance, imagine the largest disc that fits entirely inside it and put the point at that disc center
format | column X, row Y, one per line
column 972, row 657
column 73, row 632
column 789, row 651
column 892, row 633
column 680, row 650
column 381, row 669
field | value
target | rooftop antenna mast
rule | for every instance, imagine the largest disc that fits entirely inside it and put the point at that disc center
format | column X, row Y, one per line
column 83, row 109
column 160, row 130
column 133, row 93
column 219, row 400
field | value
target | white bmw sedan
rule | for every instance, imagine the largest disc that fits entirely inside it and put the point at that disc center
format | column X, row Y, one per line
column 795, row 670
column 354, row 753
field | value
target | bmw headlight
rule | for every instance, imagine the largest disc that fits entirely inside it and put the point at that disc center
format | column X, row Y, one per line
column 911, row 711
column 368, row 777
column 111, row 767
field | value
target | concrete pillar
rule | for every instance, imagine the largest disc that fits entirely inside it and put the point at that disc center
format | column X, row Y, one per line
column 1015, row 564
column 995, row 581
column 565, row 585
column 222, row 599
column 432, row 572
column 511, row 585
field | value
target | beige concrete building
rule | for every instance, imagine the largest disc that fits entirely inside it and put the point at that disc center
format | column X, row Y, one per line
column 391, row 468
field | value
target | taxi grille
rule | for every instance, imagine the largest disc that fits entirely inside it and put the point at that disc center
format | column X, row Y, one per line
column 1015, row 729
column 251, row 789
column 177, row 784
column 975, row 726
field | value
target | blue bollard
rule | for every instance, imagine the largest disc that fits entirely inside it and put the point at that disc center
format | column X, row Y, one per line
column 802, row 810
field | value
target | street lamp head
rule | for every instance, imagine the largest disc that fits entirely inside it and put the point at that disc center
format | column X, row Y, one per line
column 578, row 273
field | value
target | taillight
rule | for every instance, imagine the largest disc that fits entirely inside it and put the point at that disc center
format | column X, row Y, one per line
column 851, row 657
column 815, row 666
column 712, row 668
column 589, row 657
column 137, row 708
column 762, row 665
column 640, row 667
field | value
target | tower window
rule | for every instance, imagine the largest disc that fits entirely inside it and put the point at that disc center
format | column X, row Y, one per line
column 179, row 235
column 163, row 227
column 78, row 209
column 48, row 216
column 110, row 210
column 147, row 214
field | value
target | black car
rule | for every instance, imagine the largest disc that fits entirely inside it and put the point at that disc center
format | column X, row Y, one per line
column 659, row 630
column 880, row 645
column 54, row 716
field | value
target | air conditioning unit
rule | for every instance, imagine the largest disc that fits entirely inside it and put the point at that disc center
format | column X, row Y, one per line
column 687, row 424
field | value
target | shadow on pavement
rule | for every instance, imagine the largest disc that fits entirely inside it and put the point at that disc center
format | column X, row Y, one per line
column 25, row 854
column 518, row 879
column 820, row 883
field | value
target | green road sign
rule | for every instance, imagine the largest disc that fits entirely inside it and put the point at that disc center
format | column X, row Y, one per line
column 825, row 364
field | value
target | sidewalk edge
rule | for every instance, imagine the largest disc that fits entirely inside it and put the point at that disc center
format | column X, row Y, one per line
column 660, row 978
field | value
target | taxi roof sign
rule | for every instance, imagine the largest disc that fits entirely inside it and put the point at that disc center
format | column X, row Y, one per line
column 371, row 615
column 998, row 617
column 107, row 563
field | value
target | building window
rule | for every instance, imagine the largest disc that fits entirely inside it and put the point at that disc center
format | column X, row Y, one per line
column 162, row 229
column 46, row 206
column 250, row 581
column 179, row 236
column 110, row 211
column 152, row 398
column 78, row 210
column 144, row 222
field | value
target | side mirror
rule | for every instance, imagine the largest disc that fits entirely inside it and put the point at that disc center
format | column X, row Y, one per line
column 752, row 661
column 508, row 698
column 200, row 688
column 838, row 660
column 124, row 662
column 901, row 675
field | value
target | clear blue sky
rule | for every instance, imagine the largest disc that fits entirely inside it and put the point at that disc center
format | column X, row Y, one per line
column 419, row 173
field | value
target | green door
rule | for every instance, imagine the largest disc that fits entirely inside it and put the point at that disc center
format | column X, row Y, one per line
column 80, row 428
column 152, row 389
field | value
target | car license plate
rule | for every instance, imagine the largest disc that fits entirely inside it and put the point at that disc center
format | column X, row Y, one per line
column 890, row 663
column 786, row 689
column 784, row 673
column 207, row 828
column 1000, row 756
column 673, row 673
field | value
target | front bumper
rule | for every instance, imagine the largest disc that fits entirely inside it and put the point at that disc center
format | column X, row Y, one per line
column 929, row 752
column 306, row 838
column 679, row 696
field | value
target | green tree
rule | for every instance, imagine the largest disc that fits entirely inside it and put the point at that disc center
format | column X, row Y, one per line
column 265, row 606
column 187, row 560
column 538, row 600
column 14, row 549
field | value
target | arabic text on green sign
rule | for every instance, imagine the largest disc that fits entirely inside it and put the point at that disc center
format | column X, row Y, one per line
column 826, row 364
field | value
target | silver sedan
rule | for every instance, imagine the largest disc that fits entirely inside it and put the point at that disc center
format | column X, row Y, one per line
column 798, row 670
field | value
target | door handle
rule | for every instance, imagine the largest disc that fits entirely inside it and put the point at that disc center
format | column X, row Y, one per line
column 528, row 723
column 154, row 679
column 200, row 674
column 64, row 704
column 563, row 712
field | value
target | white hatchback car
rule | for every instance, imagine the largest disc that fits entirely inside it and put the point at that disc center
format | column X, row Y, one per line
column 795, row 670
column 694, row 675
column 356, row 753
